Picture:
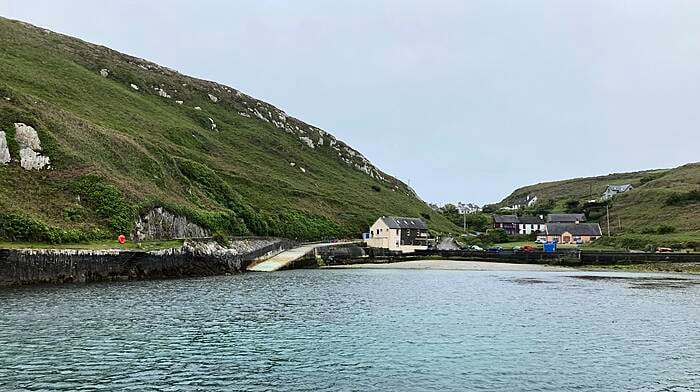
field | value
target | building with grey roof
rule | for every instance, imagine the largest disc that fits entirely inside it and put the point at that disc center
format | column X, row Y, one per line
column 398, row 233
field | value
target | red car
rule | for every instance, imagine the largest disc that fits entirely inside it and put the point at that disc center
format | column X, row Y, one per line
column 527, row 249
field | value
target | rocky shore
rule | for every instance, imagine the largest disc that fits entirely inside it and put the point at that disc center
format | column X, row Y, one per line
column 194, row 258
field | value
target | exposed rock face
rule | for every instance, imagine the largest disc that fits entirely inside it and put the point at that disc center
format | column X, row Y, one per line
column 4, row 150
column 213, row 98
column 104, row 72
column 30, row 148
column 160, row 224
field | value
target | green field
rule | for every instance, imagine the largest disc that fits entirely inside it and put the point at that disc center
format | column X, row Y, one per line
column 117, row 152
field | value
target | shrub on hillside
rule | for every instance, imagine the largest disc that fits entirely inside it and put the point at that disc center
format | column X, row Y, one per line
column 681, row 199
column 107, row 201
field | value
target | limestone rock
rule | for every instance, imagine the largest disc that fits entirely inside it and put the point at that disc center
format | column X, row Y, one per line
column 197, row 108
column 30, row 148
column 163, row 93
column 135, row 87
column 308, row 141
column 179, row 102
column 4, row 150
column 160, row 224
column 104, row 72
column 213, row 98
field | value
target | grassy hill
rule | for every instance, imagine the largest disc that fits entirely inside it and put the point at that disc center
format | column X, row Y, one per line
column 125, row 135
column 660, row 199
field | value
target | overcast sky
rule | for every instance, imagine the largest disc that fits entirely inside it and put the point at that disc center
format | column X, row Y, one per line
column 466, row 99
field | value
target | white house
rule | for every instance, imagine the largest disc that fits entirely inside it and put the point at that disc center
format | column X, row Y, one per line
column 531, row 224
column 399, row 234
column 613, row 190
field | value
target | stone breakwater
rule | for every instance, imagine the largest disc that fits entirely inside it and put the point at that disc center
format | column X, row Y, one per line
column 194, row 258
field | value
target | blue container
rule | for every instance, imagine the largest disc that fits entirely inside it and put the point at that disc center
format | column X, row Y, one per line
column 550, row 247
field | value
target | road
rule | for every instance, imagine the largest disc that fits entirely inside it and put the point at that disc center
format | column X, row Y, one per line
column 448, row 243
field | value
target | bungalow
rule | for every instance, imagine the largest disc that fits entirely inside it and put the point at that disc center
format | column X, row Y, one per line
column 572, row 233
column 522, row 202
column 509, row 223
column 613, row 190
column 566, row 218
column 399, row 234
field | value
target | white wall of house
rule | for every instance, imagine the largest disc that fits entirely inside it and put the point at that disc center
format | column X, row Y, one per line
column 381, row 236
column 529, row 228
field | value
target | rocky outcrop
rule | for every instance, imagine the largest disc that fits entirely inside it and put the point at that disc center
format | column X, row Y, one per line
column 30, row 148
column 160, row 224
column 4, row 150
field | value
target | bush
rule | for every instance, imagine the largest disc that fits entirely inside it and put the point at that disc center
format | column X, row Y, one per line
column 681, row 199
column 20, row 227
column 376, row 188
column 665, row 229
column 108, row 203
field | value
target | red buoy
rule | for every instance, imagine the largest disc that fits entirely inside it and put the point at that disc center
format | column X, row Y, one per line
column 121, row 239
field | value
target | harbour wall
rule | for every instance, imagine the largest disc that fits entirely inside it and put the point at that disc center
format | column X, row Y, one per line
column 194, row 258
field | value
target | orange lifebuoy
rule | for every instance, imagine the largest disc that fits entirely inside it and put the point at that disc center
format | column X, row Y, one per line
column 121, row 238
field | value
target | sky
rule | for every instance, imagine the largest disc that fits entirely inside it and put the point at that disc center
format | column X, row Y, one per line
column 465, row 100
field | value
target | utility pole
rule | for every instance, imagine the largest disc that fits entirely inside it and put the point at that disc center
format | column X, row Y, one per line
column 607, row 212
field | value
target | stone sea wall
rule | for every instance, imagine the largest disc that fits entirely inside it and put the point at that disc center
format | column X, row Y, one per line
column 194, row 258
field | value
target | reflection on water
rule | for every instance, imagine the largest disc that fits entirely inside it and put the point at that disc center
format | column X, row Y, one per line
column 357, row 330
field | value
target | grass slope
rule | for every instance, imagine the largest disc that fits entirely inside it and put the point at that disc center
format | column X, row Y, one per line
column 117, row 151
column 645, row 207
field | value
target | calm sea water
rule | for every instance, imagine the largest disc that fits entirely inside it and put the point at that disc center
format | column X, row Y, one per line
column 395, row 330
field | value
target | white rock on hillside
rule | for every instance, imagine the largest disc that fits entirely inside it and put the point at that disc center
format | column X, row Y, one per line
column 179, row 102
column 213, row 98
column 308, row 141
column 104, row 72
column 197, row 108
column 4, row 150
column 163, row 93
column 213, row 124
column 135, row 87
column 30, row 148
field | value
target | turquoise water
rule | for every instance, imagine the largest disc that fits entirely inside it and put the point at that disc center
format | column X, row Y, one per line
column 394, row 330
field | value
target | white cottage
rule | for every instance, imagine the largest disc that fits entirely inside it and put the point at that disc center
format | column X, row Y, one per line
column 399, row 234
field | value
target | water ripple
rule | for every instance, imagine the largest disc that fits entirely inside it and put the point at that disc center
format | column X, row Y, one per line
column 356, row 330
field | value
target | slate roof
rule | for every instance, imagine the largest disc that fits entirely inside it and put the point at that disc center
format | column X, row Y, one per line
column 580, row 229
column 505, row 218
column 531, row 220
column 619, row 188
column 398, row 222
column 566, row 218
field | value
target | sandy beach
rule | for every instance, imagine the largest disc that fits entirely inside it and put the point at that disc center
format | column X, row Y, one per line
column 460, row 265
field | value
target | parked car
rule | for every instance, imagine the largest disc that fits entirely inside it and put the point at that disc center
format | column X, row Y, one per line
column 540, row 241
column 527, row 249
column 517, row 248
column 664, row 250
column 495, row 249
column 475, row 248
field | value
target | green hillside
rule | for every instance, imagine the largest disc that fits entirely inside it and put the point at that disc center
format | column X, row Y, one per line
column 666, row 200
column 206, row 151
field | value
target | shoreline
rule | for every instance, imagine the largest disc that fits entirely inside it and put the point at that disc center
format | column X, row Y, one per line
column 467, row 265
